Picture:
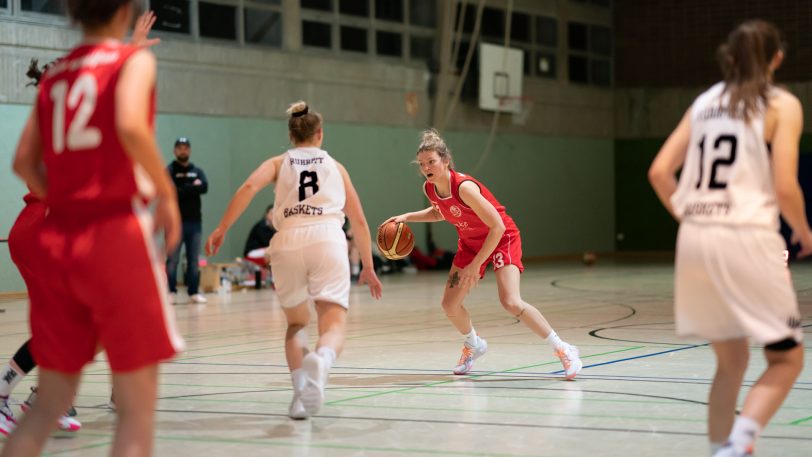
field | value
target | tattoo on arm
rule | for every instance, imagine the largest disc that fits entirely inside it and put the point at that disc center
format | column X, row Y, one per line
column 454, row 280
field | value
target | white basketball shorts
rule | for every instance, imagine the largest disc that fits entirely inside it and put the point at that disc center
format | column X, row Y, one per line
column 732, row 282
column 311, row 263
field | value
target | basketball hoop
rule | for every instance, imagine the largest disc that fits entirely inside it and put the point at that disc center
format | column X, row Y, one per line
column 519, row 108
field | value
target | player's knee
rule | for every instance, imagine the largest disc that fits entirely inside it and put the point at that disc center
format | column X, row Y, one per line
column 512, row 305
column 451, row 309
column 733, row 365
column 294, row 328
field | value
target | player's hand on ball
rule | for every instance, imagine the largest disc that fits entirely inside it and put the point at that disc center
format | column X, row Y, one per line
column 369, row 278
column 396, row 219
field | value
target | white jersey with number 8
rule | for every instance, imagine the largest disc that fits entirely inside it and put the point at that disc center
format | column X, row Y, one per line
column 309, row 190
column 727, row 176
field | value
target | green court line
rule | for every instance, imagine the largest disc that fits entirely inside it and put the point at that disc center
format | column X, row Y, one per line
column 801, row 421
column 432, row 384
column 347, row 447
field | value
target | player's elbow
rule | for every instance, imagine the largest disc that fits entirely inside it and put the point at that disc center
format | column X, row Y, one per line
column 249, row 188
column 786, row 191
column 131, row 132
column 498, row 227
column 18, row 166
column 656, row 174
column 23, row 167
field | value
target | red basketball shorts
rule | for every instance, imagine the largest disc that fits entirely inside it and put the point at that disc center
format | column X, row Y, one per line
column 104, row 285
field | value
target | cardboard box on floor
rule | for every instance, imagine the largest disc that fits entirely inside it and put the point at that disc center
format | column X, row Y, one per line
column 210, row 275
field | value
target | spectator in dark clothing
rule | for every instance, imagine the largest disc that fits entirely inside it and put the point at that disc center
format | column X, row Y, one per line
column 191, row 183
column 261, row 234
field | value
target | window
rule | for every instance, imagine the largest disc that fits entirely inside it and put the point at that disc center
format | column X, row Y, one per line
column 217, row 21
column 520, row 27
column 578, row 69
column 600, row 40
column 423, row 12
column 545, row 64
column 263, row 27
column 354, row 7
column 268, row 2
column 601, row 72
column 172, row 15
column 546, row 31
column 577, row 36
column 43, row 6
column 493, row 22
column 377, row 27
column 317, row 34
column 3, row 4
column 536, row 36
column 389, row 10
column 469, row 19
column 353, row 39
column 422, row 48
column 590, row 56
column 389, row 43
column 323, row 5
column 527, row 62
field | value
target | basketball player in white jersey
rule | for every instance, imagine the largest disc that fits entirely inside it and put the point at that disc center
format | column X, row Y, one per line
column 738, row 150
column 309, row 251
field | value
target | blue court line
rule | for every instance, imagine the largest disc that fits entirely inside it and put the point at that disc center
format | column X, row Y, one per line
column 637, row 357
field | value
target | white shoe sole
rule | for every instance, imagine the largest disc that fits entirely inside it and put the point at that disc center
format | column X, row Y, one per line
column 297, row 411
column 312, row 395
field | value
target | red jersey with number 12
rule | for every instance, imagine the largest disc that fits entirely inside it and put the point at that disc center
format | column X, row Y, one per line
column 77, row 122
column 470, row 228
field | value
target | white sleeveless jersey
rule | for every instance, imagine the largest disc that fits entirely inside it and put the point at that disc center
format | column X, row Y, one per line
column 727, row 174
column 309, row 190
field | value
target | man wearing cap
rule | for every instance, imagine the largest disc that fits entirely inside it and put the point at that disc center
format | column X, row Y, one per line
column 191, row 183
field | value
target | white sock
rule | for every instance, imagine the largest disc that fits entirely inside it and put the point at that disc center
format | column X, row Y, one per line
column 715, row 447
column 298, row 378
column 553, row 339
column 744, row 433
column 328, row 354
column 472, row 339
column 9, row 378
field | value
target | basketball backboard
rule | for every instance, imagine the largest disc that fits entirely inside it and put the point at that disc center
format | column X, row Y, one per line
column 500, row 78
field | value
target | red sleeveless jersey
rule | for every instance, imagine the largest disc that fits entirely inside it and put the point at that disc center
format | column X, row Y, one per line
column 470, row 228
column 76, row 105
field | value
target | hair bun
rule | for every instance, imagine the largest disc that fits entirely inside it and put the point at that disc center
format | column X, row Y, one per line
column 297, row 109
column 431, row 135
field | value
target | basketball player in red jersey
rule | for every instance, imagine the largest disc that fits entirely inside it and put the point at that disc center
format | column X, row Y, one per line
column 92, row 129
column 22, row 247
column 486, row 235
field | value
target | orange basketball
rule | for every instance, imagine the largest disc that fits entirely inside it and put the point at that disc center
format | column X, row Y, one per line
column 395, row 240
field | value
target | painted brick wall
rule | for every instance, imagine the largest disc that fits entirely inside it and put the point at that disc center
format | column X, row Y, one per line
column 664, row 43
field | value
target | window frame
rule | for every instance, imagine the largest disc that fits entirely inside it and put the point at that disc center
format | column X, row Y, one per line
column 372, row 24
column 249, row 4
column 532, row 49
column 592, row 57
